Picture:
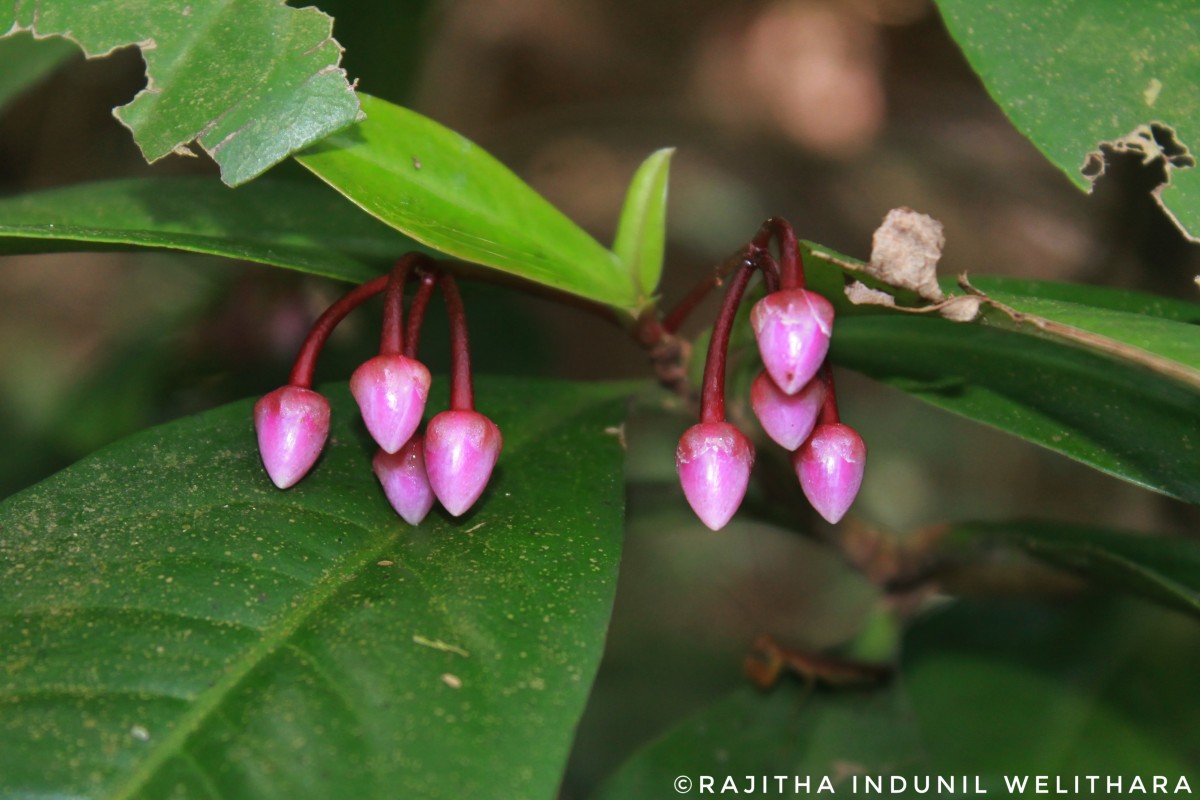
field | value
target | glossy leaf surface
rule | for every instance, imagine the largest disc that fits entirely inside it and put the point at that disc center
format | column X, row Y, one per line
column 1115, row 417
column 251, row 81
column 283, row 223
column 447, row 192
column 1102, row 376
column 173, row 625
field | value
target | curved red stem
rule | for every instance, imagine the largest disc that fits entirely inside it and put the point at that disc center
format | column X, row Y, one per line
column 318, row 334
column 791, row 267
column 829, row 411
column 462, row 396
column 416, row 312
column 770, row 270
column 391, row 339
column 712, row 390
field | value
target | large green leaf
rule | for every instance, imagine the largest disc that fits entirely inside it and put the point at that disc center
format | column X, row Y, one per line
column 1082, row 688
column 1099, row 297
column 642, row 230
column 1073, row 74
column 285, row 223
column 1164, row 346
column 1113, row 416
column 447, row 192
column 792, row 732
column 1160, row 334
column 173, row 625
column 1108, row 378
column 251, row 81
column 984, row 692
column 1163, row 569
column 24, row 61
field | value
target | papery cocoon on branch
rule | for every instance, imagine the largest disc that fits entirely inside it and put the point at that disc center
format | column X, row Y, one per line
column 391, row 392
column 404, row 480
column 830, row 467
column 292, row 425
column 461, row 448
column 793, row 329
column 714, row 460
column 787, row 418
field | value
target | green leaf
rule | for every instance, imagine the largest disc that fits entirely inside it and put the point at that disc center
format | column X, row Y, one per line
column 642, row 230
column 792, row 731
column 1083, row 688
column 1113, row 416
column 251, row 81
column 24, row 61
column 1166, row 346
column 284, row 223
column 1075, row 74
column 1162, row 569
column 173, row 625
column 984, row 692
column 1105, row 380
column 448, row 193
column 1151, row 305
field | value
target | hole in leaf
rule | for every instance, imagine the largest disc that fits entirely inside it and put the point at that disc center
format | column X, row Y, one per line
column 1141, row 161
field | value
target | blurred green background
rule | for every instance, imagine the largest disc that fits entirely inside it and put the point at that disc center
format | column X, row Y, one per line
column 827, row 112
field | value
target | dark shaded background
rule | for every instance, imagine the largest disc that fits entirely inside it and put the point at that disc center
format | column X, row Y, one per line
column 826, row 112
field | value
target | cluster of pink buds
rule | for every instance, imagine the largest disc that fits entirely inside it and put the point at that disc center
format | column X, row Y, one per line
column 452, row 461
column 793, row 397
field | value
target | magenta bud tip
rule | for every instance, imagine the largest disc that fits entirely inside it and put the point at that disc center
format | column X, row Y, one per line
column 714, row 461
column 292, row 425
column 830, row 467
column 461, row 448
column 787, row 418
column 402, row 475
column 793, row 329
column 391, row 392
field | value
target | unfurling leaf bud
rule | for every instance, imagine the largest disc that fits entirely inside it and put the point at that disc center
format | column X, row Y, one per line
column 714, row 460
column 292, row 425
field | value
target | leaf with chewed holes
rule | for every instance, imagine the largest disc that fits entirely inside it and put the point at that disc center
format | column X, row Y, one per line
column 251, row 81
column 1088, row 79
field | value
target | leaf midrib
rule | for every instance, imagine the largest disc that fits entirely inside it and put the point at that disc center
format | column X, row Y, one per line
column 211, row 700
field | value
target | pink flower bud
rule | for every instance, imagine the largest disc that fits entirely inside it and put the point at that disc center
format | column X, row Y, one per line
column 292, row 425
column 461, row 448
column 714, row 460
column 793, row 329
column 404, row 481
column 391, row 392
column 830, row 468
column 787, row 418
